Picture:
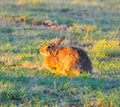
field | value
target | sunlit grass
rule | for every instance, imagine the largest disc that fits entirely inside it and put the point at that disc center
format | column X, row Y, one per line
column 85, row 2
column 105, row 48
column 30, row 2
column 82, row 29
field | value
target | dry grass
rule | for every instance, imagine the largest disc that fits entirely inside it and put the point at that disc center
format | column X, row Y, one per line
column 30, row 2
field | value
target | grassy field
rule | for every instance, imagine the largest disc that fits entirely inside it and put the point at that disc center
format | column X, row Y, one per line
column 26, row 25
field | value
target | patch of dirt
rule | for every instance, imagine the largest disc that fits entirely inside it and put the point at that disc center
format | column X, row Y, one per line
column 48, row 23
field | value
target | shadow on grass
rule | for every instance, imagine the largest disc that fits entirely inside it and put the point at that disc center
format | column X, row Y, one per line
column 50, row 89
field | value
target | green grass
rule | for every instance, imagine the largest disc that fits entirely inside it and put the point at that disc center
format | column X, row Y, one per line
column 24, row 82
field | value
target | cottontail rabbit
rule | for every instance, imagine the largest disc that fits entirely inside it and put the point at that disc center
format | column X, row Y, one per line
column 67, row 60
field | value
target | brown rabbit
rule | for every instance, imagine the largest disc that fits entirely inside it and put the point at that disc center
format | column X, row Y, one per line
column 67, row 60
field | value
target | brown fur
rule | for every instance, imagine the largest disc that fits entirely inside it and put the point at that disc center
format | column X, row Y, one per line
column 68, row 60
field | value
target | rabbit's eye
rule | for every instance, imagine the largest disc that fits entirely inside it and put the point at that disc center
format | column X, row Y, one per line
column 49, row 47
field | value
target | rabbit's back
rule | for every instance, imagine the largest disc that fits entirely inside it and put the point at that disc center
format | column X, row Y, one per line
column 85, row 62
column 76, row 58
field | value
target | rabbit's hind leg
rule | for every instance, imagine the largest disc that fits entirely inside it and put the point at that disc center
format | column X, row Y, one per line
column 72, row 72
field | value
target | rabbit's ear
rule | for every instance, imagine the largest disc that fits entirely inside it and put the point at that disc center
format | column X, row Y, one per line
column 60, row 40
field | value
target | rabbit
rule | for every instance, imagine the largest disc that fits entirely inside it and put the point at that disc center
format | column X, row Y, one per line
column 65, row 60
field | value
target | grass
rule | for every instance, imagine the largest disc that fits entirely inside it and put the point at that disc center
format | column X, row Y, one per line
column 24, row 81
